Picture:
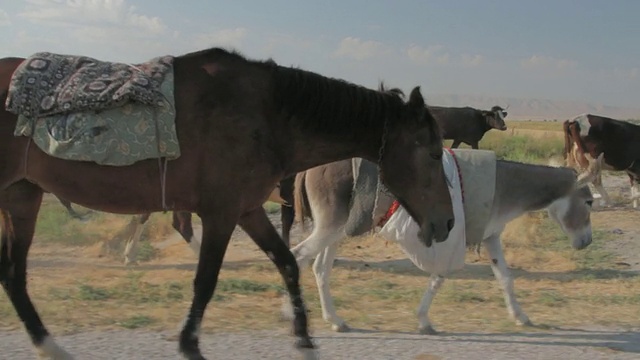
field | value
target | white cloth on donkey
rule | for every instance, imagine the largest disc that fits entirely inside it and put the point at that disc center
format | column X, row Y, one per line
column 440, row 258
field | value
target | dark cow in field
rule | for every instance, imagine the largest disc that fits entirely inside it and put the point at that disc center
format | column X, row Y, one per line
column 466, row 124
column 594, row 143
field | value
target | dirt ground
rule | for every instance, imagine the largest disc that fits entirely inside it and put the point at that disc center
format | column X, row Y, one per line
column 366, row 342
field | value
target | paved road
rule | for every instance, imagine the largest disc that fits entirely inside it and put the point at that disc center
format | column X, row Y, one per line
column 557, row 345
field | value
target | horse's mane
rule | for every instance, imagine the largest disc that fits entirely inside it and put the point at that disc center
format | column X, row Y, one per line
column 319, row 102
column 324, row 103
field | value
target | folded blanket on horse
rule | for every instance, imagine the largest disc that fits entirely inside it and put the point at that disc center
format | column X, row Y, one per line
column 47, row 84
column 111, row 114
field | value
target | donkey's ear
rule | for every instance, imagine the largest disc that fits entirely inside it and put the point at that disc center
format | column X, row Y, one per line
column 416, row 100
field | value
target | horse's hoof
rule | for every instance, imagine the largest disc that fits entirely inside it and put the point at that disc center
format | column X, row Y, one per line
column 309, row 354
column 306, row 349
column 428, row 330
column 343, row 327
column 191, row 351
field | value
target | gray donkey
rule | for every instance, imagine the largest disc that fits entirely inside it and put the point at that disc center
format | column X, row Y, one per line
column 341, row 206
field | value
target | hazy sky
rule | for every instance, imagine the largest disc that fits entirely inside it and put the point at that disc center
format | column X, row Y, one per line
column 585, row 50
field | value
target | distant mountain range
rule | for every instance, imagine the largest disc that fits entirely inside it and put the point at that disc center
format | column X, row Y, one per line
column 534, row 109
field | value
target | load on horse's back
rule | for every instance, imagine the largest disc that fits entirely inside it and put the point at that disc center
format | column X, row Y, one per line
column 278, row 121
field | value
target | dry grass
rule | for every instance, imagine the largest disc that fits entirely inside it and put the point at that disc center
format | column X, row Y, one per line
column 535, row 125
column 376, row 288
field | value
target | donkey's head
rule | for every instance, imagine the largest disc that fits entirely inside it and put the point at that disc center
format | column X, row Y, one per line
column 573, row 213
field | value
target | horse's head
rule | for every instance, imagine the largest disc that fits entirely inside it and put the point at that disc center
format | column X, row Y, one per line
column 411, row 167
column 573, row 213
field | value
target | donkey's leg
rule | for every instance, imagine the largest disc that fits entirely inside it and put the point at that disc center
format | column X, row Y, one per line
column 597, row 183
column 321, row 238
column 502, row 274
column 435, row 281
column 216, row 233
column 20, row 205
column 322, row 270
column 635, row 190
column 257, row 225
column 131, row 249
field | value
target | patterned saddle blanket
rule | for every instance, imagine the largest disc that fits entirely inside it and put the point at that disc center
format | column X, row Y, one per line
column 80, row 108
column 48, row 84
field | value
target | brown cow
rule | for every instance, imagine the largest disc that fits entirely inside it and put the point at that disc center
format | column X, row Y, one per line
column 594, row 143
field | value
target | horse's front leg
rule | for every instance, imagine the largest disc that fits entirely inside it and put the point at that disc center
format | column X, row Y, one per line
column 503, row 275
column 216, row 233
column 425, row 327
column 257, row 225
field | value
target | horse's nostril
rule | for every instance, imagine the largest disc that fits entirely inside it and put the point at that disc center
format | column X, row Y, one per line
column 450, row 224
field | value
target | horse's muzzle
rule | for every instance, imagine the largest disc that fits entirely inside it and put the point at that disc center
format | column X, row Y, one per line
column 437, row 233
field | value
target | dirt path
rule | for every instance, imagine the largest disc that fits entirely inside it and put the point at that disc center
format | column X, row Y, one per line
column 589, row 344
column 622, row 220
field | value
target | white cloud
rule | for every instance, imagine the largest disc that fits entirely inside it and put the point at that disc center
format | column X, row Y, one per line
column 224, row 37
column 358, row 49
column 541, row 61
column 625, row 74
column 471, row 60
column 4, row 18
column 95, row 13
column 434, row 54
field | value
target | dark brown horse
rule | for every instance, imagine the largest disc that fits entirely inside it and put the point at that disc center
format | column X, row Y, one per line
column 243, row 126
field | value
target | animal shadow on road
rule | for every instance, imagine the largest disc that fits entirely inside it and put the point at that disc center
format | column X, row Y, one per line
column 483, row 271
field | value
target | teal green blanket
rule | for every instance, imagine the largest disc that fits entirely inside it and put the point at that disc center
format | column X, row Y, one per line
column 117, row 136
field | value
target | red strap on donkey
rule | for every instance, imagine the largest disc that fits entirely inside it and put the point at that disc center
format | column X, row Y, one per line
column 395, row 205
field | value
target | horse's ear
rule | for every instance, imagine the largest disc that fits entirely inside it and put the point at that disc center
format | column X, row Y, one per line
column 416, row 100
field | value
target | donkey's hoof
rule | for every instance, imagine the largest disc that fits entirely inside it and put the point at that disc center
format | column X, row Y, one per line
column 131, row 263
column 343, row 327
column 524, row 322
column 428, row 330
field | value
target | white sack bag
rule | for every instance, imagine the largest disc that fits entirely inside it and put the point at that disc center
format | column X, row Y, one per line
column 440, row 258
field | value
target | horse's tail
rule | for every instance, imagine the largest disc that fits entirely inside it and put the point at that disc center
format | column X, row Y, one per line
column 300, row 200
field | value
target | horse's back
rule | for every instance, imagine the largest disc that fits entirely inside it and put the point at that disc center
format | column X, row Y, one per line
column 7, row 66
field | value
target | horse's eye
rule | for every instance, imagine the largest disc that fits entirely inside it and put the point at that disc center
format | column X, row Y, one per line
column 590, row 203
column 436, row 156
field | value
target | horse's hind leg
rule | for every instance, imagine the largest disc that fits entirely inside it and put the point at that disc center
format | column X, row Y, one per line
column 183, row 225
column 287, row 212
column 502, row 274
column 131, row 249
column 20, row 204
column 257, row 225
column 425, row 327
